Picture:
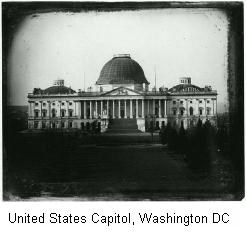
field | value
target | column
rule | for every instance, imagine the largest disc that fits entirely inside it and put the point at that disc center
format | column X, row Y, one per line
column 79, row 109
column 187, row 111
column 101, row 108
column 130, row 108
column 119, row 110
column 205, row 105
column 48, row 112
column 96, row 110
column 125, row 110
column 67, row 111
column 90, row 110
column 212, row 112
column 113, row 110
column 215, row 109
column 165, row 107
column 85, row 109
column 142, row 108
column 159, row 108
column 148, row 108
column 137, row 108
column 107, row 108
column 153, row 106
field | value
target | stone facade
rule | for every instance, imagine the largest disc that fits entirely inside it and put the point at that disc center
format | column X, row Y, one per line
column 75, row 110
column 122, row 92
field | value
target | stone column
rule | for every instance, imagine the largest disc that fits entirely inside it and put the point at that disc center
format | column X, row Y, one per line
column 79, row 109
column 187, row 111
column 96, row 109
column 85, row 117
column 101, row 108
column 205, row 106
column 148, row 108
column 125, row 110
column 142, row 108
column 153, row 106
column 159, row 108
column 165, row 107
column 137, row 108
column 119, row 110
column 215, row 109
column 48, row 109
column 67, row 112
column 113, row 110
column 130, row 108
column 107, row 108
column 90, row 110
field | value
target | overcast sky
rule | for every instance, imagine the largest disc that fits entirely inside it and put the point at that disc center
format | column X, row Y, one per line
column 177, row 42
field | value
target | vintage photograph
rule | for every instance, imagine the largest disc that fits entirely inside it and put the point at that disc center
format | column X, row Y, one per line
column 123, row 101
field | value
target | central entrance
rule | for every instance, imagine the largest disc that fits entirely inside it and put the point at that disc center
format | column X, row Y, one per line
column 122, row 113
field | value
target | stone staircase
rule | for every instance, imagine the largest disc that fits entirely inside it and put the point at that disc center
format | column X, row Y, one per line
column 123, row 126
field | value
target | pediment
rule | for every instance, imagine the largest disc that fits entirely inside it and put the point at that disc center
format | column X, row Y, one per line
column 122, row 91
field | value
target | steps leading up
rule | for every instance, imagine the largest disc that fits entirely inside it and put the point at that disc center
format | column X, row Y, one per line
column 123, row 126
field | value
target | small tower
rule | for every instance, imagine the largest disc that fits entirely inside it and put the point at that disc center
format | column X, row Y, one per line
column 58, row 82
column 185, row 80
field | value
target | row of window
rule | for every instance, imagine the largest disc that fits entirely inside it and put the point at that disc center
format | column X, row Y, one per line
column 53, row 103
column 53, row 113
column 83, row 126
column 181, row 102
column 191, row 111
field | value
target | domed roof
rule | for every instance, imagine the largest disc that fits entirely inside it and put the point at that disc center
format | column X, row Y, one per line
column 58, row 90
column 121, row 69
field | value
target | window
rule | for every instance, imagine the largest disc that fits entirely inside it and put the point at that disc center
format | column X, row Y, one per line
column 53, row 113
column 70, row 124
column 44, row 113
column 181, row 102
column 36, row 103
column 70, row 103
column 191, row 110
column 62, row 124
column 174, row 102
column 200, row 111
column 63, row 113
column 70, row 113
column 53, row 125
column 36, row 114
column 82, row 126
column 190, row 101
column 182, row 112
column 43, row 124
column 35, row 124
column 208, row 101
column 200, row 101
column 174, row 112
column 208, row 111
column 53, row 103
column 63, row 103
column 44, row 104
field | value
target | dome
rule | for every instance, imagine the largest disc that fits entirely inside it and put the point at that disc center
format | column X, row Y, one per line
column 58, row 90
column 121, row 69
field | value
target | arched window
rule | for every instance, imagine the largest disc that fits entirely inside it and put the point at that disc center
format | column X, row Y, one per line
column 36, row 112
column 70, row 113
column 181, row 111
column 200, row 111
column 63, row 113
column 53, row 113
column 191, row 110
column 44, row 113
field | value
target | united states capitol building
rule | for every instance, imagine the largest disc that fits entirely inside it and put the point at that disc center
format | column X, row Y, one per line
column 122, row 95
